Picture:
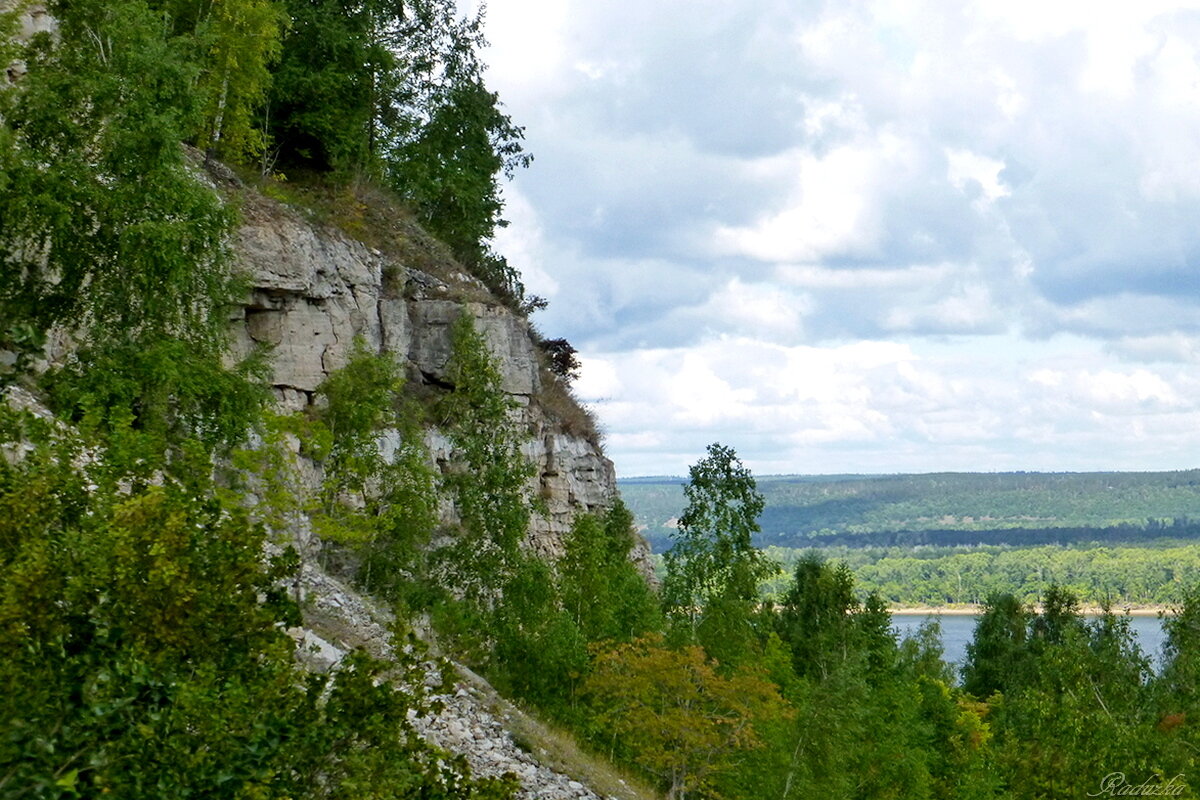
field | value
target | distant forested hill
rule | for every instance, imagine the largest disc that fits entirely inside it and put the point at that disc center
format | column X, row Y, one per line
column 1019, row 508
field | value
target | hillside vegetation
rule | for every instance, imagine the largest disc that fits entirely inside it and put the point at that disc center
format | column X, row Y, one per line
column 159, row 513
column 1155, row 575
column 957, row 538
column 949, row 508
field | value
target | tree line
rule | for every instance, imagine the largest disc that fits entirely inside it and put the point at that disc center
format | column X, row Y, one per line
column 1159, row 575
column 809, row 693
column 1151, row 530
column 950, row 508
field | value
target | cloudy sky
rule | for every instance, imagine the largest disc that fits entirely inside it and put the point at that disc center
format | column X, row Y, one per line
column 865, row 236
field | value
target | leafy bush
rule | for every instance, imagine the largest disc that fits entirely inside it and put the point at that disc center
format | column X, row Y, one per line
column 146, row 655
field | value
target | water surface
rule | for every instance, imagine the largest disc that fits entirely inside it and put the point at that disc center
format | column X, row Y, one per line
column 958, row 629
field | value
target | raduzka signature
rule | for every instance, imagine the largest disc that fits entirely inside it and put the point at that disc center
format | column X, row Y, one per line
column 1116, row 785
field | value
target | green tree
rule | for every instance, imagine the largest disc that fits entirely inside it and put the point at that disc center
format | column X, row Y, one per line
column 109, row 236
column 145, row 652
column 394, row 91
column 538, row 651
column 996, row 655
column 600, row 588
column 1177, row 688
column 99, row 194
column 234, row 43
column 449, row 171
column 1080, row 710
column 242, row 40
column 378, row 493
column 817, row 616
column 489, row 483
column 713, row 570
column 324, row 102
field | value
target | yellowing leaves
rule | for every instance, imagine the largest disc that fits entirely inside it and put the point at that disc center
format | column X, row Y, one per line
column 685, row 721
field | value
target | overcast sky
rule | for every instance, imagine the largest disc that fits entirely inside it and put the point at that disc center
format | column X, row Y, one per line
column 865, row 237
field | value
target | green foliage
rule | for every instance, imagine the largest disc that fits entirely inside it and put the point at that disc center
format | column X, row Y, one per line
column 449, row 173
column 1177, row 691
column 1077, row 708
column 713, row 572
column 1138, row 575
column 108, row 235
column 145, row 655
column 234, row 43
column 99, row 194
column 543, row 623
column 242, row 40
column 996, row 654
column 601, row 589
column 323, row 105
column 10, row 21
column 685, row 722
column 395, row 91
column 1182, row 651
column 148, row 402
column 382, row 505
column 490, row 486
column 816, row 616
column 503, row 608
column 538, row 652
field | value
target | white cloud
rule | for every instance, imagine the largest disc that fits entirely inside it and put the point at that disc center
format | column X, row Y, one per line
column 524, row 70
column 827, row 213
column 816, row 276
column 1172, row 347
column 598, row 379
column 1111, row 392
column 826, row 409
column 866, row 236
column 968, row 309
column 970, row 173
column 523, row 242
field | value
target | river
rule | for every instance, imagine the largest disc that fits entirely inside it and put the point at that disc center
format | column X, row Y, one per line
column 957, row 630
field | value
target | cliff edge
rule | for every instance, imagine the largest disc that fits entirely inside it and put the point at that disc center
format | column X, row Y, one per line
column 315, row 289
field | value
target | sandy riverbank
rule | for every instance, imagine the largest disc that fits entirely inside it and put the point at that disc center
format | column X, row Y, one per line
column 971, row 610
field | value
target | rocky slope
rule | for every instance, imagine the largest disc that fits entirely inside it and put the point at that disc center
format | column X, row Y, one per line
column 474, row 722
column 32, row 20
column 314, row 291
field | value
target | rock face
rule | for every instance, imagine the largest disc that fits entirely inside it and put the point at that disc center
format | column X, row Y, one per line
column 32, row 20
column 314, row 290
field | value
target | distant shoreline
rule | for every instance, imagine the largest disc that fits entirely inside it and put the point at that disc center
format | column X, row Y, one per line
column 972, row 610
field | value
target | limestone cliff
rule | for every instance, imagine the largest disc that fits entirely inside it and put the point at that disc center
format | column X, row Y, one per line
column 315, row 289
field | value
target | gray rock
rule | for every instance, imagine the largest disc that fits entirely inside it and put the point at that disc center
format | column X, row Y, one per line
column 314, row 291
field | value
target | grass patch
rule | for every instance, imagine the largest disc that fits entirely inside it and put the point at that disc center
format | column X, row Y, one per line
column 559, row 403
